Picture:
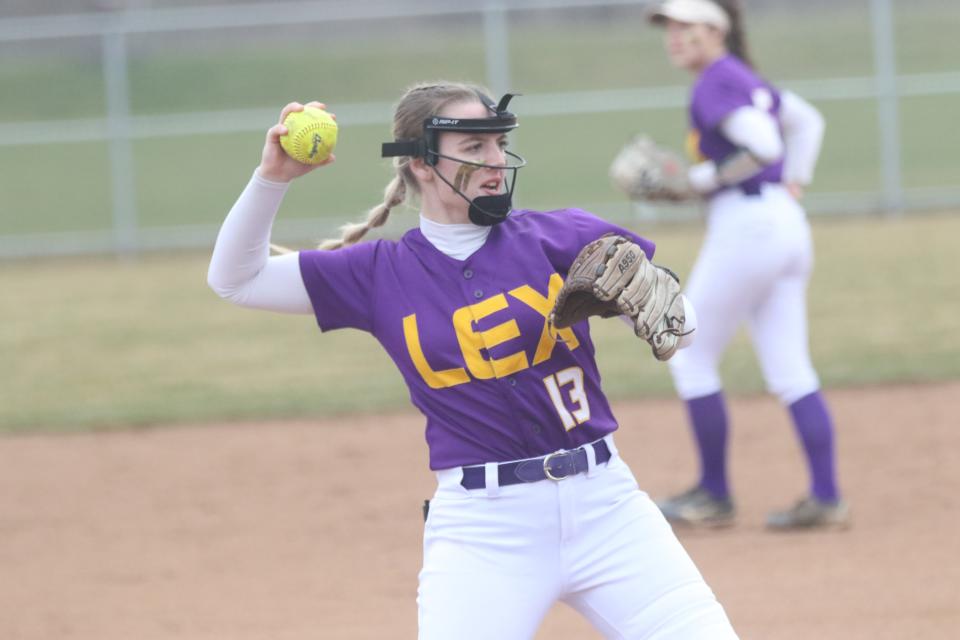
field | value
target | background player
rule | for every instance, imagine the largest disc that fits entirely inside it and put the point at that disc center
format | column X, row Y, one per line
column 460, row 304
column 755, row 261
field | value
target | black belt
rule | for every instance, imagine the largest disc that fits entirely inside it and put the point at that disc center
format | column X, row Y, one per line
column 555, row 466
column 754, row 189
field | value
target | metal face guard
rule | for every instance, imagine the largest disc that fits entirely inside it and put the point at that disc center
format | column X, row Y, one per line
column 484, row 210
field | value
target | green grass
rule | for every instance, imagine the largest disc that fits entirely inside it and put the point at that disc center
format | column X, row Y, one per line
column 102, row 343
column 560, row 50
column 47, row 189
column 188, row 180
column 193, row 180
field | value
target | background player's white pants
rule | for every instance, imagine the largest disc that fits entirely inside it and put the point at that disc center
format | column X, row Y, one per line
column 754, row 266
column 496, row 559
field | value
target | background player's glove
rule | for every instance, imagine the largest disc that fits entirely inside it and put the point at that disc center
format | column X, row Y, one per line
column 612, row 276
column 643, row 170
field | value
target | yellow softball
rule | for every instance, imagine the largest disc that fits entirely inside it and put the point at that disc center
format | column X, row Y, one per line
column 311, row 135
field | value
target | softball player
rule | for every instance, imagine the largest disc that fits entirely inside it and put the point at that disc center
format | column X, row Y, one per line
column 756, row 148
column 533, row 503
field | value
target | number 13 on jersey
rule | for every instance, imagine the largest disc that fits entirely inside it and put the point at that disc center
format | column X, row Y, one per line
column 567, row 385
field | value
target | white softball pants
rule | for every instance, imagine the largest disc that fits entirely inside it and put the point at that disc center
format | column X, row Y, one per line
column 496, row 559
column 753, row 268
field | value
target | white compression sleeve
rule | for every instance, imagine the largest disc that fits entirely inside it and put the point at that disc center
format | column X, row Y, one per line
column 755, row 132
column 241, row 269
column 803, row 128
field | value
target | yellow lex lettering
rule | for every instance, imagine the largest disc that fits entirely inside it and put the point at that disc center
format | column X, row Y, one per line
column 435, row 379
column 473, row 342
column 532, row 298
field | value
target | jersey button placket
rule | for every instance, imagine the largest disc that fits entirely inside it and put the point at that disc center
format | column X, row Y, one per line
column 510, row 382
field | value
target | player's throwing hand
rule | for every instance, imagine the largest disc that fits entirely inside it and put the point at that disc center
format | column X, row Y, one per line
column 275, row 164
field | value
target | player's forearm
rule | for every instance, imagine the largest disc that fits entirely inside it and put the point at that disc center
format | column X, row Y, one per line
column 757, row 137
column 241, row 269
column 803, row 128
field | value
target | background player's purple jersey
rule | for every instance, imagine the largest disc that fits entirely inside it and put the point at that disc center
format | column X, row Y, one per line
column 723, row 87
column 470, row 337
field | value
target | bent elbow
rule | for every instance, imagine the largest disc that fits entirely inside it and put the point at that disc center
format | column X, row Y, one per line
column 818, row 125
column 214, row 283
column 220, row 287
column 769, row 153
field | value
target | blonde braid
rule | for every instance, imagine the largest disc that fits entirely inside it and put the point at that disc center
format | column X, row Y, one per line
column 351, row 233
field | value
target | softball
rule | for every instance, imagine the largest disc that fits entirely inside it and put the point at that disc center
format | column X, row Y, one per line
column 311, row 135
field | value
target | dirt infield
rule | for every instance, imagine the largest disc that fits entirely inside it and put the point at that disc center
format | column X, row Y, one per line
column 309, row 530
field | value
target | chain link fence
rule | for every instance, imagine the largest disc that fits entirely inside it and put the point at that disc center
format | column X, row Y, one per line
column 133, row 127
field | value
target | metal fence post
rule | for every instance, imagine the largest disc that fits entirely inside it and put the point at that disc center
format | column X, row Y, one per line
column 496, row 44
column 118, row 129
column 122, row 185
column 888, row 117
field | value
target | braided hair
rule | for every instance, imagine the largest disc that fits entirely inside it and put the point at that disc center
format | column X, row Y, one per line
column 736, row 40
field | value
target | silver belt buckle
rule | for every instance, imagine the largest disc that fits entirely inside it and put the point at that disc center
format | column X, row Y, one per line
column 546, row 465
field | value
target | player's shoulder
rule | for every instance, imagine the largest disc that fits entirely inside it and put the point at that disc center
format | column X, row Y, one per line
column 529, row 220
column 570, row 228
column 366, row 251
column 555, row 227
column 375, row 246
column 729, row 71
column 727, row 66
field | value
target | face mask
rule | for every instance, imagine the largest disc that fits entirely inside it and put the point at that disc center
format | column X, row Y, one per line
column 484, row 210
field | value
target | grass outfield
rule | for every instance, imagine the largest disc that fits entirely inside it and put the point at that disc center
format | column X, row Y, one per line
column 549, row 51
column 193, row 180
column 101, row 343
column 190, row 180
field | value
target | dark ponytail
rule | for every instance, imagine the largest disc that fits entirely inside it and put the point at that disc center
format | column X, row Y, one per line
column 736, row 38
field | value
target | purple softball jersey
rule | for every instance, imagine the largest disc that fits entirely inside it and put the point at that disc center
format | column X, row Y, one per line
column 470, row 336
column 723, row 87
